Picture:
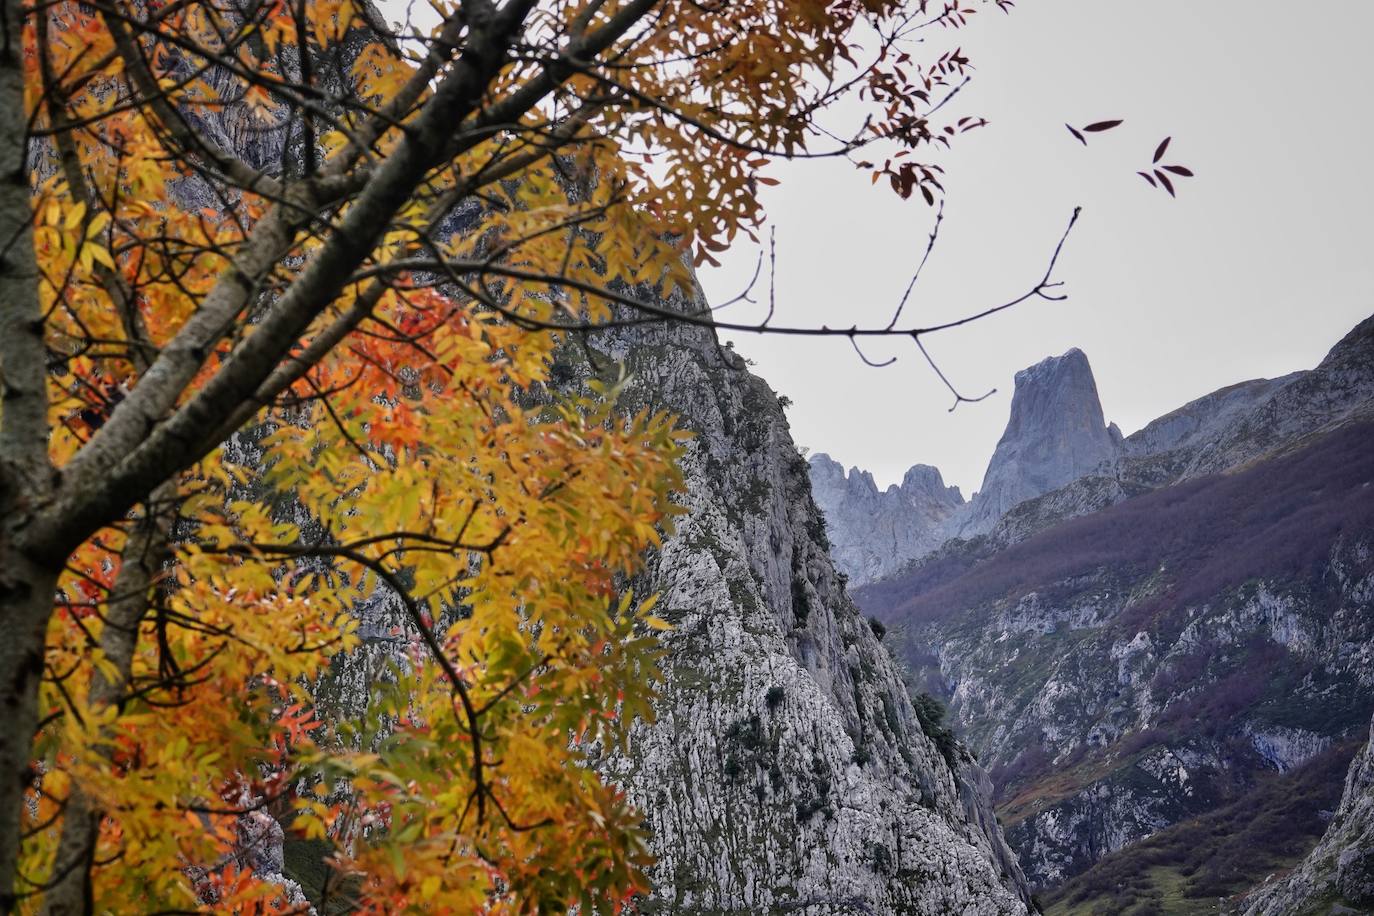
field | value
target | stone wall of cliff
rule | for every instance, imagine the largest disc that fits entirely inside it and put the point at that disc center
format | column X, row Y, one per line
column 786, row 771
column 1338, row 875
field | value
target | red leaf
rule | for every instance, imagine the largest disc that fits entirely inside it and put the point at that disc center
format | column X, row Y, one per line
column 1179, row 170
column 1159, row 152
column 1149, row 178
column 1164, row 180
column 1098, row 126
column 1078, row 135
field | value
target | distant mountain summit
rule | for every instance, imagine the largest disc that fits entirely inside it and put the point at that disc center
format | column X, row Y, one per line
column 873, row 532
column 1058, row 458
column 1055, row 435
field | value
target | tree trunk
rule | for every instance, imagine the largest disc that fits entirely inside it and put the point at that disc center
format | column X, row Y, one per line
column 26, row 601
column 26, row 475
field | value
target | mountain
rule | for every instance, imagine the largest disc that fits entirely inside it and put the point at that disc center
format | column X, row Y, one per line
column 787, row 770
column 873, row 533
column 1058, row 458
column 1135, row 667
column 1226, row 429
column 1158, row 640
column 1056, row 435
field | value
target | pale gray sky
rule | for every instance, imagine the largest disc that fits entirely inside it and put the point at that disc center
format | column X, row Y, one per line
column 1261, row 264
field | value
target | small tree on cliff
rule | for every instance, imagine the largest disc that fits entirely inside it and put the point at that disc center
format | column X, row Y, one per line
column 362, row 246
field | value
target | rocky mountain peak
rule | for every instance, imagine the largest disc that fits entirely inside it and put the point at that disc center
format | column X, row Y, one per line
column 1056, row 434
column 925, row 482
column 873, row 532
column 827, row 469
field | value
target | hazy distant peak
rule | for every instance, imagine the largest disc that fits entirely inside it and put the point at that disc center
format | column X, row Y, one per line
column 928, row 481
column 1056, row 434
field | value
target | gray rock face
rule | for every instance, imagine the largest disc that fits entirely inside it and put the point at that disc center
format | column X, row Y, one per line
column 1338, row 875
column 1056, row 434
column 874, row 533
column 1199, row 420
column 787, row 771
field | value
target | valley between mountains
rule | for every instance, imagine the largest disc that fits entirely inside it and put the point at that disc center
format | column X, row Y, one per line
column 1160, row 646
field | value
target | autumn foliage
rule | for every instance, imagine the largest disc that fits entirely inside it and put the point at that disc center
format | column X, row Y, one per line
column 281, row 291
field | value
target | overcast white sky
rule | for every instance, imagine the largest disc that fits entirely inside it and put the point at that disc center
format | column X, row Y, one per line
column 1261, row 264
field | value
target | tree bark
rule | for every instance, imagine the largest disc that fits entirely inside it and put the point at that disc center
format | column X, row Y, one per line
column 26, row 475
column 26, row 600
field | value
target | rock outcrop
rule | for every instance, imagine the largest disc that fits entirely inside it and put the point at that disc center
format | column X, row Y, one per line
column 787, row 771
column 1338, row 875
column 1056, row 434
column 873, row 532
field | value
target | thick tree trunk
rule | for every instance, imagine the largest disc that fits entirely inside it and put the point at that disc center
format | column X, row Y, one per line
column 26, row 478
column 26, row 601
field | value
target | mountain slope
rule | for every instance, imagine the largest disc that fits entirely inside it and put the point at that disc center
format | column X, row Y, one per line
column 1185, row 868
column 1338, row 874
column 1125, row 670
column 787, row 769
column 1129, row 669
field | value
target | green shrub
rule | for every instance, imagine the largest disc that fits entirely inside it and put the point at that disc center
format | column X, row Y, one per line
column 931, row 713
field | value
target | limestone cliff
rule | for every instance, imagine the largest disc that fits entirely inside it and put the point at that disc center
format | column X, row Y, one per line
column 1338, row 875
column 787, row 771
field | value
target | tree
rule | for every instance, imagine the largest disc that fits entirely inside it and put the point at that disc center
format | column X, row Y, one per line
column 350, row 251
